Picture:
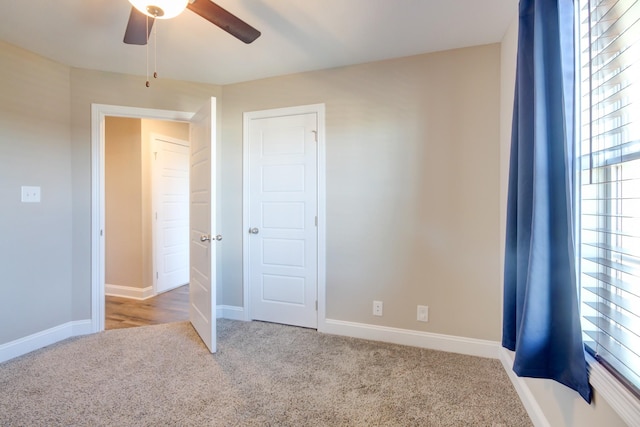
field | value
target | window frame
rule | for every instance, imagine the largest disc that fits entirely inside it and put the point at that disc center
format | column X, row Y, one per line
column 621, row 394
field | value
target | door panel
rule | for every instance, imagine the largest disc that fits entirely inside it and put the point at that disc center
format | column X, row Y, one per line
column 285, row 215
column 171, row 205
column 202, row 277
column 283, row 289
column 283, row 209
column 283, row 252
column 283, row 178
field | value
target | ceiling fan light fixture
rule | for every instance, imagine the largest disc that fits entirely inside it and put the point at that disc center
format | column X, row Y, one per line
column 161, row 9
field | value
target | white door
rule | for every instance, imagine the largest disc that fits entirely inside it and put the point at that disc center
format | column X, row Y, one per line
column 170, row 159
column 283, row 215
column 202, row 209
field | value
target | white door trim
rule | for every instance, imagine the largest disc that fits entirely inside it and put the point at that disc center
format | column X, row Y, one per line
column 153, row 138
column 98, row 114
column 318, row 109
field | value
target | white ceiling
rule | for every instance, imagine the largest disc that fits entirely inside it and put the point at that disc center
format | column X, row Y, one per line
column 297, row 35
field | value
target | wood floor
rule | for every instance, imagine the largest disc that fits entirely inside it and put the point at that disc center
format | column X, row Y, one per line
column 171, row 306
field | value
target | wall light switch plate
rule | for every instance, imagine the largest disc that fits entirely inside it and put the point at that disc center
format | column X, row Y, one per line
column 30, row 194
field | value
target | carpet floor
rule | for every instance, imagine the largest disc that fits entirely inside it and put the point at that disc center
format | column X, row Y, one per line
column 263, row 375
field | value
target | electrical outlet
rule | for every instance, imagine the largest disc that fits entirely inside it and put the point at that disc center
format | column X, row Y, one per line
column 423, row 313
column 377, row 308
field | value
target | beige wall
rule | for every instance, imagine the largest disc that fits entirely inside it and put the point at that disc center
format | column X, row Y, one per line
column 123, row 203
column 412, row 187
column 412, row 173
column 35, row 238
column 45, row 140
column 89, row 87
column 560, row 405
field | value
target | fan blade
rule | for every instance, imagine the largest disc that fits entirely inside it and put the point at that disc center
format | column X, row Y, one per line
column 137, row 31
column 225, row 20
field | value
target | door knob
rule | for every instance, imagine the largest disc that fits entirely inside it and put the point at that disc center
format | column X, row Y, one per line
column 205, row 238
column 254, row 230
column 219, row 237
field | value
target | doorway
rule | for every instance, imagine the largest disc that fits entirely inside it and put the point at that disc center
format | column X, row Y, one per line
column 284, row 215
column 203, row 204
column 146, row 206
column 147, row 221
column 98, row 264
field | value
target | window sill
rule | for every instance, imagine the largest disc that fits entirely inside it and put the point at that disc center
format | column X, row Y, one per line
column 617, row 396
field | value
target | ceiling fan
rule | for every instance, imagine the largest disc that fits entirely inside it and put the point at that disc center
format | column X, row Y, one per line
column 144, row 12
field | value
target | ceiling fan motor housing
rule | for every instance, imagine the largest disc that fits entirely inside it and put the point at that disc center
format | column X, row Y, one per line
column 163, row 9
column 155, row 11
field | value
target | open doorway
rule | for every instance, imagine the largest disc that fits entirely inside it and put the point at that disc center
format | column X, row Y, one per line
column 203, row 206
column 146, row 221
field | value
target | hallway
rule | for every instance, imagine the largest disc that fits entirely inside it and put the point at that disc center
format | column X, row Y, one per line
column 171, row 306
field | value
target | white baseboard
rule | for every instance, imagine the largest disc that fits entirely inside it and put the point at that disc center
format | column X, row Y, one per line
column 44, row 338
column 128, row 291
column 449, row 343
column 230, row 312
column 529, row 402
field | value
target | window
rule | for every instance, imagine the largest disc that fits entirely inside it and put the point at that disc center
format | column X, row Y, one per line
column 609, row 184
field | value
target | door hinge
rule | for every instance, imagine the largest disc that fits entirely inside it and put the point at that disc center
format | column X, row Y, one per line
column 156, row 215
column 316, row 305
column 156, row 274
column 155, row 154
column 315, row 135
column 316, row 221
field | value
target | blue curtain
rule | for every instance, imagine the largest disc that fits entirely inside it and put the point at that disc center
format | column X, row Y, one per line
column 541, row 320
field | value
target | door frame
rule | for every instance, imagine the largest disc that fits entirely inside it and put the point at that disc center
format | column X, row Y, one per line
column 154, row 137
column 319, row 110
column 98, row 114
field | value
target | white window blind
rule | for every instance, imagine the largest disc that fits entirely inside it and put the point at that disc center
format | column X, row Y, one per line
column 609, row 165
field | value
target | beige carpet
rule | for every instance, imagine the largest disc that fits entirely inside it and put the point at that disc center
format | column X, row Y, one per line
column 262, row 375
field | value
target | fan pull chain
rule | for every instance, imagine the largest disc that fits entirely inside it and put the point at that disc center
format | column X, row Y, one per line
column 147, row 50
column 155, row 51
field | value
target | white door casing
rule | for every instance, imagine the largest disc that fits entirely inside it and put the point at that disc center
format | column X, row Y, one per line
column 98, row 114
column 170, row 201
column 202, row 238
column 282, row 233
